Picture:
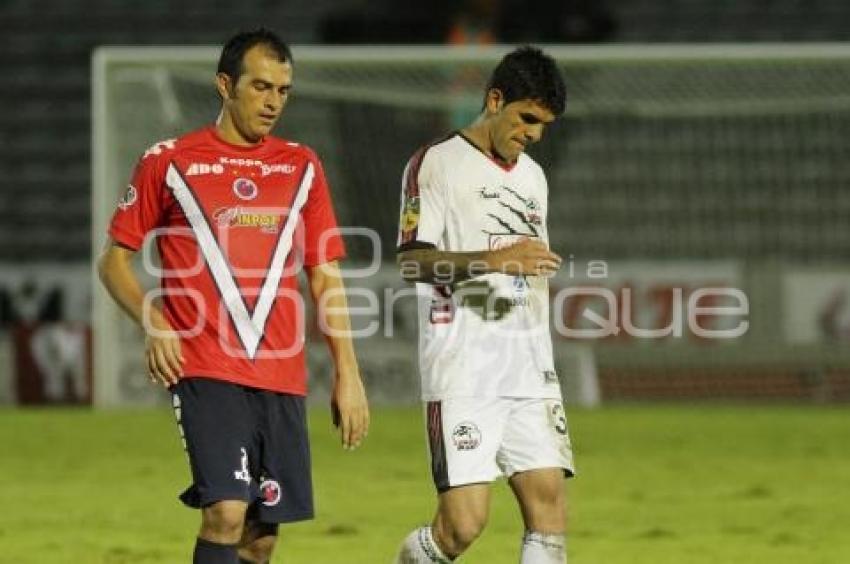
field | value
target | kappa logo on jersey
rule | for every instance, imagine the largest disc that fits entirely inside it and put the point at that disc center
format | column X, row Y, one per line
column 129, row 198
column 466, row 436
column 239, row 162
column 270, row 491
column 243, row 474
column 245, row 189
column 244, row 217
column 250, row 325
column 197, row 169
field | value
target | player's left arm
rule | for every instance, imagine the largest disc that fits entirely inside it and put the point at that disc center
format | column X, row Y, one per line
column 348, row 400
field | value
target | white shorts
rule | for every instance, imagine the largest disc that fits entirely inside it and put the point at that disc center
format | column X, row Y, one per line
column 474, row 440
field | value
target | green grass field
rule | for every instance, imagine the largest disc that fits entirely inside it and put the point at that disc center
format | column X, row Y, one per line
column 680, row 484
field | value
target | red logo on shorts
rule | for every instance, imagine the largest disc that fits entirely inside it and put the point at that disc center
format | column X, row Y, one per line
column 270, row 492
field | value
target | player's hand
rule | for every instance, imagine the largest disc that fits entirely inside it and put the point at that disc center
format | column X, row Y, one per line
column 162, row 353
column 525, row 257
column 349, row 409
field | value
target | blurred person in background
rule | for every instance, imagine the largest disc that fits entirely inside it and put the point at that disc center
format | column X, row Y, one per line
column 237, row 213
column 476, row 22
column 473, row 235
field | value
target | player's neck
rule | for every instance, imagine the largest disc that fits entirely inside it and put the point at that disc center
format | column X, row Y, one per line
column 478, row 133
column 226, row 130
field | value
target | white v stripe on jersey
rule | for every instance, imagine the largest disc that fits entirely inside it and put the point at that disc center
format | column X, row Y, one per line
column 249, row 326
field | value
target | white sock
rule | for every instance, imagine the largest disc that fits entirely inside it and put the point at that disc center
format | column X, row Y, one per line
column 540, row 548
column 419, row 548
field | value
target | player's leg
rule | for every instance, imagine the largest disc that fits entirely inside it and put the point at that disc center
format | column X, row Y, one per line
column 464, row 436
column 258, row 542
column 221, row 528
column 542, row 501
column 216, row 424
column 284, row 482
column 461, row 517
column 537, row 455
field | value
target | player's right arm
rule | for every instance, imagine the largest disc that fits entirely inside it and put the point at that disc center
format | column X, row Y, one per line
column 141, row 210
column 422, row 225
column 428, row 264
column 162, row 345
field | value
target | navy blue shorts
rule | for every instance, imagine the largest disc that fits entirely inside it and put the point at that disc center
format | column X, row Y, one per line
column 245, row 444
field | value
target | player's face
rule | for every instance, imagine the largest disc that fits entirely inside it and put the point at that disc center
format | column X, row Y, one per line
column 516, row 125
column 255, row 102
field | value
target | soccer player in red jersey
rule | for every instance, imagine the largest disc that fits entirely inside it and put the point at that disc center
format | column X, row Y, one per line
column 236, row 213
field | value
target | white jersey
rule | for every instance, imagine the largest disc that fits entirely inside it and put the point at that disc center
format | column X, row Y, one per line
column 488, row 336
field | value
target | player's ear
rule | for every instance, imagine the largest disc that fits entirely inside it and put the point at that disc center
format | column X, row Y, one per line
column 495, row 101
column 224, row 85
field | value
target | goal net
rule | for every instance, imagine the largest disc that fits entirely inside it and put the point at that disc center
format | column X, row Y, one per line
column 697, row 193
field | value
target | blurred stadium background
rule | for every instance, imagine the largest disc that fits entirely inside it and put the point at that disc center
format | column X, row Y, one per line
column 705, row 144
column 680, row 166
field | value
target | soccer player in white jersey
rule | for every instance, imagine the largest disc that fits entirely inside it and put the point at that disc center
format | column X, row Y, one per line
column 473, row 236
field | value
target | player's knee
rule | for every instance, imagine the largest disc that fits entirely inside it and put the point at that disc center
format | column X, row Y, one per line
column 223, row 521
column 465, row 533
column 259, row 550
column 548, row 514
column 457, row 535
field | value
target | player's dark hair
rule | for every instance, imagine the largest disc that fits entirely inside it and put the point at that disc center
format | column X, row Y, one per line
column 527, row 73
column 230, row 62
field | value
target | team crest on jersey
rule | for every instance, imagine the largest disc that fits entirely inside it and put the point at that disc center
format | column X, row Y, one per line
column 532, row 212
column 245, row 189
column 129, row 198
column 270, row 492
column 466, row 436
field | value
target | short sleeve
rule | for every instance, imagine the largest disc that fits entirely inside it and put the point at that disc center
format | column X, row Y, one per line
column 423, row 203
column 141, row 207
column 322, row 241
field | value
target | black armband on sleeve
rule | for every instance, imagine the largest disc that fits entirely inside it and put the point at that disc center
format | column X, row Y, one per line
column 415, row 245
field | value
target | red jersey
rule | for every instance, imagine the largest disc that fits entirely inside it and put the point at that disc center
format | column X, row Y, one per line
column 233, row 226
